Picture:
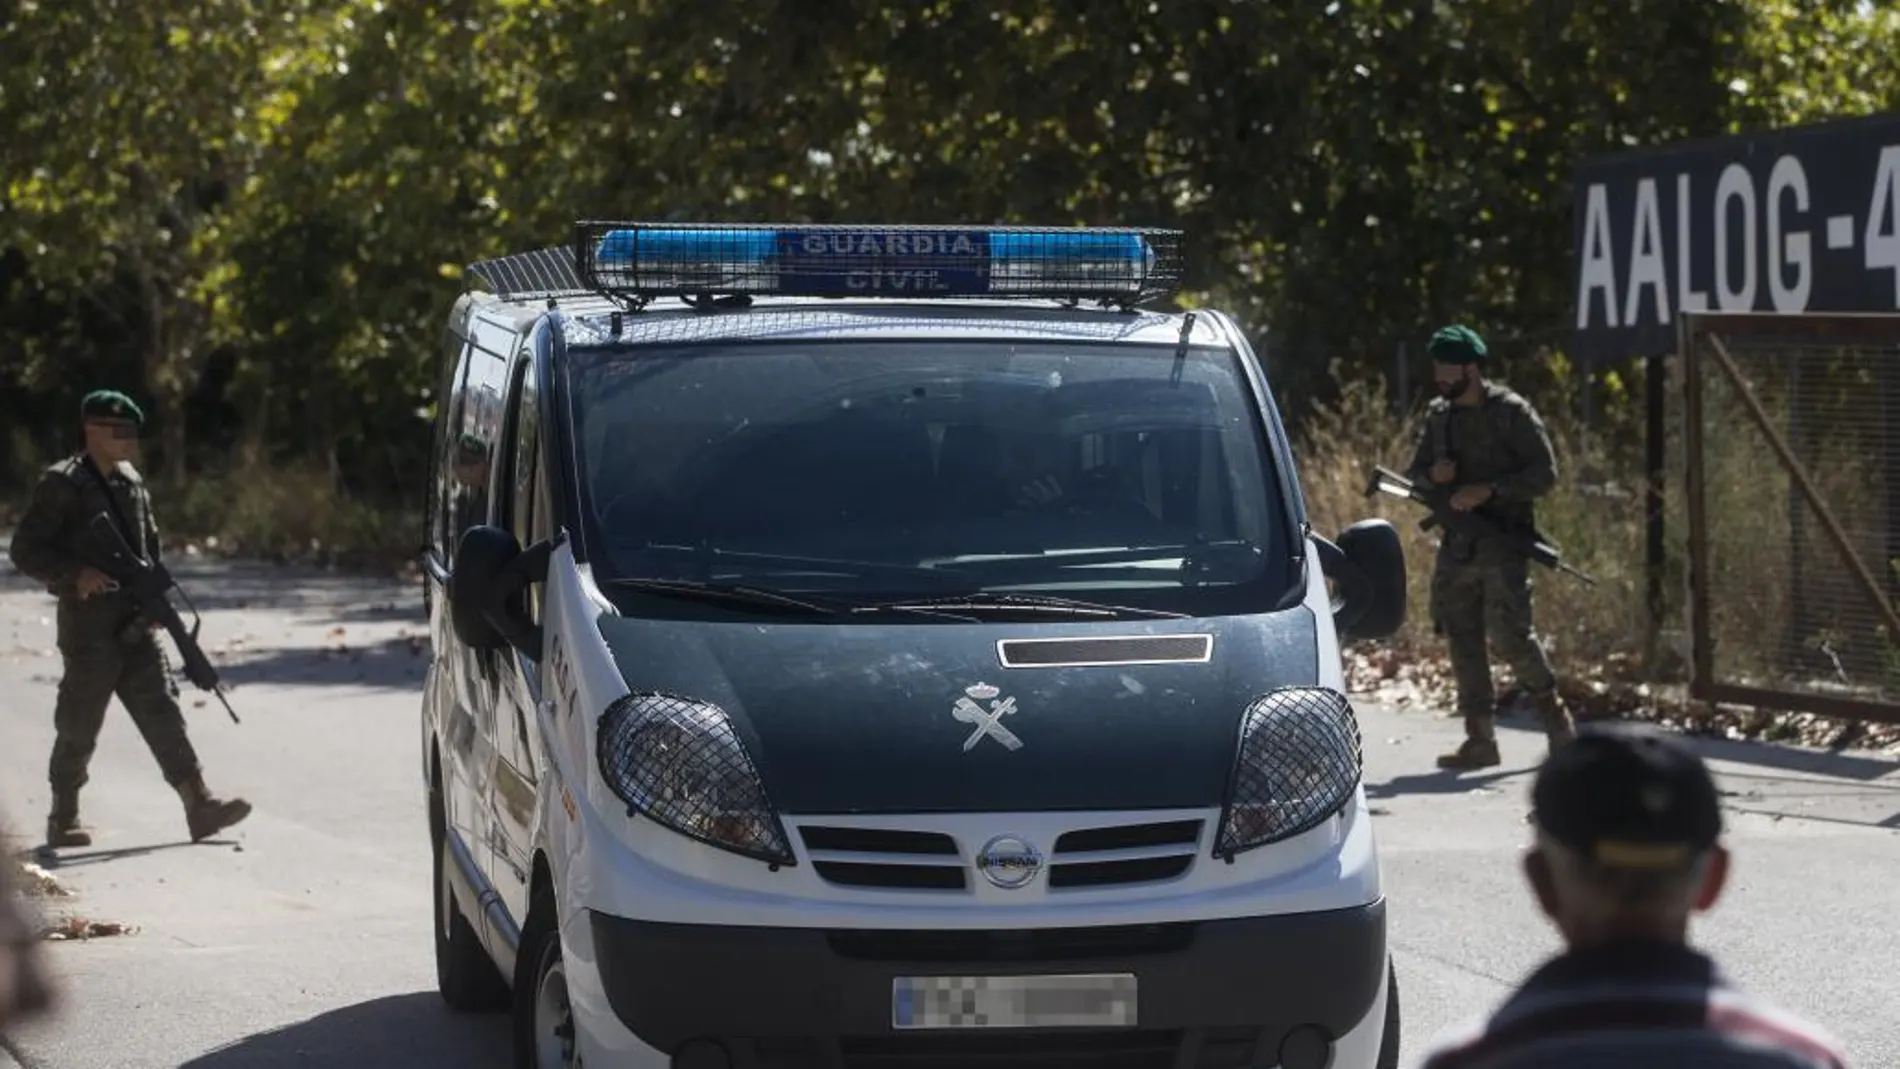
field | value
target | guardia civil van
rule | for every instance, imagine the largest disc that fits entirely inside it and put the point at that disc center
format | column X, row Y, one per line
column 861, row 647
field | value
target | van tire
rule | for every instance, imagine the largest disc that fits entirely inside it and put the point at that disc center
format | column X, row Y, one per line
column 1389, row 1043
column 543, row 1014
column 464, row 973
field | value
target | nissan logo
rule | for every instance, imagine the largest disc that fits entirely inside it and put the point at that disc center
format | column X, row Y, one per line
column 1008, row 861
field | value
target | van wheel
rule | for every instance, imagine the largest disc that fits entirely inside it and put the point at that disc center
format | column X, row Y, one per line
column 544, row 1017
column 464, row 973
column 1389, row 1044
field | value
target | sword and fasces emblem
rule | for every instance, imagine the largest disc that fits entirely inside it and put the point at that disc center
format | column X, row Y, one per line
column 988, row 722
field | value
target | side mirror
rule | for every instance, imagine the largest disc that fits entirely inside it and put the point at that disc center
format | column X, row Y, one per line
column 487, row 589
column 1367, row 567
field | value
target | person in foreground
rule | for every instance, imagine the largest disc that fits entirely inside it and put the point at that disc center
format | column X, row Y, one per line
column 106, row 647
column 26, row 992
column 1628, row 825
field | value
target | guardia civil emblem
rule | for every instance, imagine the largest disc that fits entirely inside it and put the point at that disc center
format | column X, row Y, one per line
column 982, row 709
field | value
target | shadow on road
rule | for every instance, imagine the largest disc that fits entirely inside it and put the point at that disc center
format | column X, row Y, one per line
column 1791, row 759
column 396, row 664
column 51, row 858
column 1439, row 781
column 413, row 1031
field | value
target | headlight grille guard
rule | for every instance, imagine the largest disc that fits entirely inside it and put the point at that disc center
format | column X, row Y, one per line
column 678, row 762
column 1298, row 757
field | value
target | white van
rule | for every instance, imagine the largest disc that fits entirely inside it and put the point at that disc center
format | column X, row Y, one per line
column 879, row 646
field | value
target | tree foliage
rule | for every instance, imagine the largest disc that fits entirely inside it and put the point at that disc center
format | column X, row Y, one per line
column 258, row 210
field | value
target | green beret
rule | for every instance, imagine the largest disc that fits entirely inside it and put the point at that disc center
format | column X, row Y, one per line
column 110, row 404
column 1456, row 345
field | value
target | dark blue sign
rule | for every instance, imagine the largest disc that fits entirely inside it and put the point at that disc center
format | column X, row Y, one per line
column 884, row 262
column 1805, row 219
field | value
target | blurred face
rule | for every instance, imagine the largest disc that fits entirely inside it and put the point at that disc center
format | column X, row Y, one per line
column 115, row 439
column 1452, row 380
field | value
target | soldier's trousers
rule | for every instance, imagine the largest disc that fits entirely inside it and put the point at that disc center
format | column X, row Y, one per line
column 98, row 665
column 1479, row 595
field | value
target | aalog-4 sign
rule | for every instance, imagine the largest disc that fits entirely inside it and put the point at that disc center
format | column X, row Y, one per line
column 1794, row 220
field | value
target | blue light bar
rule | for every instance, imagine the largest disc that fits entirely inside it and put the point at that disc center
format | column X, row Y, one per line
column 1120, row 265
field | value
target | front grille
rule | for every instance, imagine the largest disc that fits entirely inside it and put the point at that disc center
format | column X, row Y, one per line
column 1118, row 943
column 1139, row 1048
column 1124, row 854
column 884, row 858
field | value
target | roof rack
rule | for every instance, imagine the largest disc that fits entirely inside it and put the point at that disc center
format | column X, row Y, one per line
column 635, row 262
column 545, row 272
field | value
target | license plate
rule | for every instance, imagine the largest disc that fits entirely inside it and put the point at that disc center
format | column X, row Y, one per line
column 1102, row 1000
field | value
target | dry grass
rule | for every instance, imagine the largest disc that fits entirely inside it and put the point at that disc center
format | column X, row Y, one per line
column 278, row 513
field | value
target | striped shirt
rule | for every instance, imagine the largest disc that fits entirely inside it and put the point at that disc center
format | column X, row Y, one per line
column 1634, row 1005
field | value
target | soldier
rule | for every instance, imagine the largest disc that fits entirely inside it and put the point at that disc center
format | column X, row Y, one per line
column 1490, row 443
column 105, row 647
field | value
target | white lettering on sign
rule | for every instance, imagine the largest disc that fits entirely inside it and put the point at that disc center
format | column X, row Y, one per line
column 1688, row 298
column 1881, row 242
column 1783, row 219
column 899, row 281
column 1646, row 262
column 1734, row 185
column 1793, row 249
column 888, row 245
column 1599, row 259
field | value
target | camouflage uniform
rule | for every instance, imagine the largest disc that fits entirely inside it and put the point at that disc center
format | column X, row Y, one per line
column 105, row 647
column 1481, row 588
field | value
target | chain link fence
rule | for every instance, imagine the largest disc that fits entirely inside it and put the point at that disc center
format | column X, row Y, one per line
column 1791, row 438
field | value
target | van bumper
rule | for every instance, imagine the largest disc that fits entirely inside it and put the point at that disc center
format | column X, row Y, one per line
column 1242, row 992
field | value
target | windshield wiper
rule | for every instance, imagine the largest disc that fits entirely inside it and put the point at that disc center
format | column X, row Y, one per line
column 854, row 569
column 1043, row 604
column 749, row 596
column 757, row 597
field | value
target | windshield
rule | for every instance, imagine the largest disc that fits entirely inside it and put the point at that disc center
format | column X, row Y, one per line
column 858, row 472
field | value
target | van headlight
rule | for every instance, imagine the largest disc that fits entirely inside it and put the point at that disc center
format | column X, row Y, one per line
column 678, row 762
column 1299, row 759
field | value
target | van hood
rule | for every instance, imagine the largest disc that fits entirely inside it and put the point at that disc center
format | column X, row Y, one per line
column 892, row 718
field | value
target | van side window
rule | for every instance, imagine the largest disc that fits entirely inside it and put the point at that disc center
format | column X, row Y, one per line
column 527, row 456
column 452, row 388
column 527, row 498
column 473, row 450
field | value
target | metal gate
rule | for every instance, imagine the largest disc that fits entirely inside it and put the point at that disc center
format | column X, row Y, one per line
column 1791, row 432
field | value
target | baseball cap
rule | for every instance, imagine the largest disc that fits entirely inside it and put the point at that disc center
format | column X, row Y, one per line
column 1628, row 795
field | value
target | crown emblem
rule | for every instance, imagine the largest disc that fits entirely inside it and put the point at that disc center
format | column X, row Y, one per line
column 981, row 691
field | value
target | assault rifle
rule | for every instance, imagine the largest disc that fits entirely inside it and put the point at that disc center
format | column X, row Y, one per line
column 1526, row 541
column 150, row 584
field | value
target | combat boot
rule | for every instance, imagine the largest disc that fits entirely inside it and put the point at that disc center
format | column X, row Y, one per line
column 207, row 814
column 63, row 828
column 1471, row 754
column 1559, row 728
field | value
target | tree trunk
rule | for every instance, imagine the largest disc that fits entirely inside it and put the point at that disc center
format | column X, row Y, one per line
column 160, row 384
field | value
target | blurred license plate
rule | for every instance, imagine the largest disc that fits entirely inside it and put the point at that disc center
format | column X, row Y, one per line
column 1105, row 1000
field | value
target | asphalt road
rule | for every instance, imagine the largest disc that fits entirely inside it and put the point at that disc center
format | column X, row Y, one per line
column 303, row 939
